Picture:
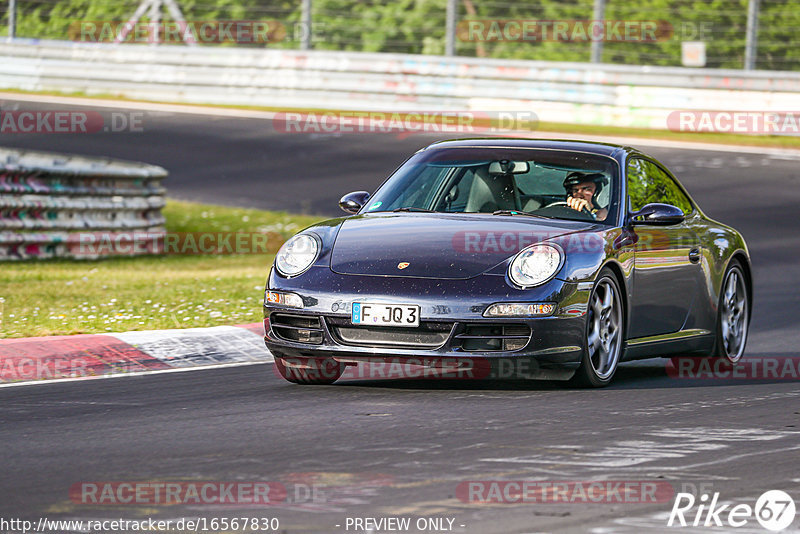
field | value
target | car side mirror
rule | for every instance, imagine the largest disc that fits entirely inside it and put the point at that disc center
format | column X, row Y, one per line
column 353, row 202
column 657, row 214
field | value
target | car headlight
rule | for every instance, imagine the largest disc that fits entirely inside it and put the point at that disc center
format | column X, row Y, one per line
column 535, row 265
column 297, row 255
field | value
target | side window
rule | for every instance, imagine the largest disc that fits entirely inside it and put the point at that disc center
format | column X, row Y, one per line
column 648, row 183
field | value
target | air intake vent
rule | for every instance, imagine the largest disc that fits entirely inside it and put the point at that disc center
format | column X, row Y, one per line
column 493, row 337
column 297, row 328
column 428, row 335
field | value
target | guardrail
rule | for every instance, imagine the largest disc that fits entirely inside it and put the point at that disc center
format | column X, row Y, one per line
column 51, row 205
column 557, row 92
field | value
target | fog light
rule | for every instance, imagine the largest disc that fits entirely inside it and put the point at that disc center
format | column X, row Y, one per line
column 279, row 298
column 519, row 309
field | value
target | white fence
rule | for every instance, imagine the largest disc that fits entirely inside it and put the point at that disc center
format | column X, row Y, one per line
column 557, row 92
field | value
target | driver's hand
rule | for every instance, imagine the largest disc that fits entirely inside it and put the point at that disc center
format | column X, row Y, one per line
column 579, row 204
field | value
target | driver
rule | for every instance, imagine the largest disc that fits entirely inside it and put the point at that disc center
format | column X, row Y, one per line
column 582, row 190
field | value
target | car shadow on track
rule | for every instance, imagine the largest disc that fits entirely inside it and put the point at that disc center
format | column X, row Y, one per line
column 627, row 377
column 642, row 374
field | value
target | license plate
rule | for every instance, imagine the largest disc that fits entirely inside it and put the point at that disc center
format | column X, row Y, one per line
column 385, row 314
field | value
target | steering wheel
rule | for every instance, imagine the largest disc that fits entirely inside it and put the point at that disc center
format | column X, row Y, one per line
column 564, row 203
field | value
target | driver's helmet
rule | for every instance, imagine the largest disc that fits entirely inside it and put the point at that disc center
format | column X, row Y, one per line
column 576, row 177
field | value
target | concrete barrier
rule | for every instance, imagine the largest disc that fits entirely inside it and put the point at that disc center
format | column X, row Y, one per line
column 581, row 93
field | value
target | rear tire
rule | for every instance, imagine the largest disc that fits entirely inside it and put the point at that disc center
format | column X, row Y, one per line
column 309, row 371
column 604, row 333
column 733, row 315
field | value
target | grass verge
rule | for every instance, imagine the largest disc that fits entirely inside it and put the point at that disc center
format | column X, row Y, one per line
column 54, row 297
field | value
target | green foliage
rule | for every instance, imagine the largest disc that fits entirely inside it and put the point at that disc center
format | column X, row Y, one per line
column 408, row 26
column 418, row 26
column 530, row 48
column 778, row 25
column 52, row 20
column 719, row 23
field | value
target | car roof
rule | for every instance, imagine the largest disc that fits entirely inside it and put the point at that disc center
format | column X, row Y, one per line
column 604, row 149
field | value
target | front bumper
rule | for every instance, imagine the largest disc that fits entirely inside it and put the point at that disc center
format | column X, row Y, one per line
column 451, row 312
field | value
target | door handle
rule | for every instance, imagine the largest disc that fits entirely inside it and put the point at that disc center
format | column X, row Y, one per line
column 694, row 255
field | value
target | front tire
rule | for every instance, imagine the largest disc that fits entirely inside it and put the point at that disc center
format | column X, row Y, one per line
column 310, row 371
column 603, row 337
column 733, row 315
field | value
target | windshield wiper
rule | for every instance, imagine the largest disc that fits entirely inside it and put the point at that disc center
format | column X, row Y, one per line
column 411, row 208
column 517, row 212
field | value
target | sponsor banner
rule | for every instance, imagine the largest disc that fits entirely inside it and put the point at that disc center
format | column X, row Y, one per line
column 178, row 32
column 535, row 30
column 564, row 492
column 742, row 122
column 69, row 122
column 403, row 122
column 764, row 368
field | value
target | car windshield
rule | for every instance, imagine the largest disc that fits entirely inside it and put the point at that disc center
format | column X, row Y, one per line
column 501, row 181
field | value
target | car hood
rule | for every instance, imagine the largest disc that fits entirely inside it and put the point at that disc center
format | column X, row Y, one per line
column 446, row 246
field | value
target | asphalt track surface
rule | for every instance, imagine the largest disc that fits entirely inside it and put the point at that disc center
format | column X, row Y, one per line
column 383, row 448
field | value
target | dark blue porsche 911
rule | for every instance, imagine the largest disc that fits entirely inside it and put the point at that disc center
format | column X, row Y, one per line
column 552, row 259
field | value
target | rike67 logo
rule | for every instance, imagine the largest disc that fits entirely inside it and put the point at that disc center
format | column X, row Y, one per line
column 774, row 510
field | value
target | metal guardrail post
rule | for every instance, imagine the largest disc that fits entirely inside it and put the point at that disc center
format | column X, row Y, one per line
column 62, row 206
column 450, row 28
column 751, row 45
column 597, row 44
column 12, row 19
column 305, row 20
